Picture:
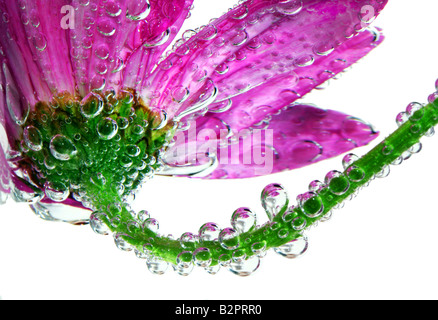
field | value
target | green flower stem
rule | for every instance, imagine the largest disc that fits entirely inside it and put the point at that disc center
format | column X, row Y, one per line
column 287, row 225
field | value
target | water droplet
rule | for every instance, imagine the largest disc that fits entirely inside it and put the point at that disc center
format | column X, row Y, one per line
column 294, row 248
column 151, row 224
column 138, row 10
column 274, row 199
column 202, row 257
column 259, row 248
column 18, row 106
column 246, row 267
column 239, row 12
column 26, row 197
column 97, row 223
column 384, row 172
column 107, row 129
column 243, row 220
column 229, row 239
column 209, row 232
column 355, row 174
column 133, row 150
column 304, row 61
column 184, row 263
column 121, row 243
column 56, row 191
column 106, row 27
column 92, row 105
column 40, row 42
column 113, row 9
column 348, row 160
column 157, row 265
column 337, row 182
column 62, row 148
column 33, row 138
column 311, row 204
column 188, row 241
column 180, row 94
column 290, row 7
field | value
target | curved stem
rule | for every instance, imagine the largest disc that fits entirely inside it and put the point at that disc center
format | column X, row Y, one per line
column 289, row 223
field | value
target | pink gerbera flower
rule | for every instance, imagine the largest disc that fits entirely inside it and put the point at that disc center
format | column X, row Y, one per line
column 93, row 102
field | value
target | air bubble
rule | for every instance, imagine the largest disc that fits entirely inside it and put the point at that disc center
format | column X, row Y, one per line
column 274, row 199
column 62, row 148
column 294, row 248
column 311, row 204
column 229, row 239
column 202, row 257
column 92, row 105
column 33, row 138
column 337, row 182
column 243, row 220
column 157, row 265
column 97, row 223
column 246, row 267
column 209, row 232
column 56, row 191
column 107, row 128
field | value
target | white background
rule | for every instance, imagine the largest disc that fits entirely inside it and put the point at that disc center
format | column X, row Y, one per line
column 381, row 245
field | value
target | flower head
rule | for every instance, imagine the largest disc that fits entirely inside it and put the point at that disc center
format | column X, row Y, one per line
column 88, row 92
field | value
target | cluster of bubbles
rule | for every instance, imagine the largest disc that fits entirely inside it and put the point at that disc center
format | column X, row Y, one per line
column 240, row 247
column 101, row 141
column 212, row 247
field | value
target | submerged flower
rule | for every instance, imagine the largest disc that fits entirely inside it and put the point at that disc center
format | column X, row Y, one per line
column 92, row 102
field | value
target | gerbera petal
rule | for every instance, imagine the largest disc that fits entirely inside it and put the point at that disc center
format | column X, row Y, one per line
column 53, row 46
column 152, row 37
column 297, row 136
column 252, row 108
column 256, row 42
column 116, row 43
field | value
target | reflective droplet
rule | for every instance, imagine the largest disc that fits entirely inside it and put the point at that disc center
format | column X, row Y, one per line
column 40, row 42
column 202, row 257
column 97, row 223
column 92, row 105
column 243, row 220
column 229, row 239
column 274, row 199
column 56, row 191
column 188, row 241
column 62, row 148
column 337, row 182
column 259, row 248
column 33, row 138
column 294, row 248
column 151, row 224
column 184, row 263
column 290, row 7
column 348, row 160
column 121, row 243
column 157, row 265
column 246, row 267
column 138, row 10
column 209, row 232
column 106, row 27
column 311, row 204
column 107, row 128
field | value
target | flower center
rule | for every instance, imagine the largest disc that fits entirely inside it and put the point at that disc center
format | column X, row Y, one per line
column 72, row 146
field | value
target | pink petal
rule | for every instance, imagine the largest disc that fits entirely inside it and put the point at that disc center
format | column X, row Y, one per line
column 298, row 136
column 257, row 42
column 252, row 107
column 51, row 46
